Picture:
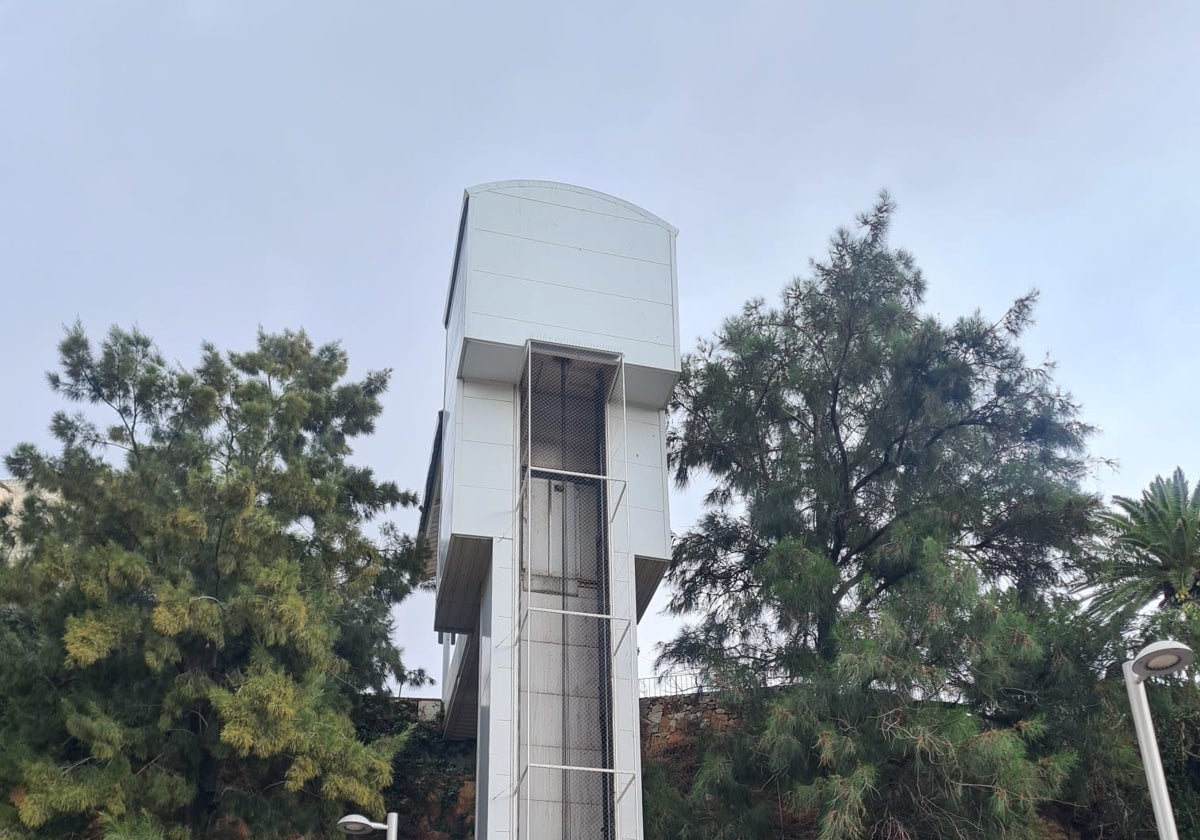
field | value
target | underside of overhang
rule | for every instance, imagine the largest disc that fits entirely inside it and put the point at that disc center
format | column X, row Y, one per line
column 460, row 586
column 431, row 501
column 462, row 709
column 647, row 574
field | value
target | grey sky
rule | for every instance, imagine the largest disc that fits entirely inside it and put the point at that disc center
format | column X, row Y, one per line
column 200, row 168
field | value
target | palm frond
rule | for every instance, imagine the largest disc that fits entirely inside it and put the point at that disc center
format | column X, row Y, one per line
column 1154, row 550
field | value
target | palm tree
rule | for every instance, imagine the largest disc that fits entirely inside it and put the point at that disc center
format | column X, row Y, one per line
column 1155, row 551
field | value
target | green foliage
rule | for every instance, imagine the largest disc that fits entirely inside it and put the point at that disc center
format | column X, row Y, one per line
column 1141, row 584
column 664, row 805
column 431, row 788
column 1176, row 712
column 895, row 501
column 189, row 603
column 1153, row 552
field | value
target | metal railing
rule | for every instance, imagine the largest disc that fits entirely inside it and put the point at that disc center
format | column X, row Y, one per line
column 673, row 684
column 680, row 683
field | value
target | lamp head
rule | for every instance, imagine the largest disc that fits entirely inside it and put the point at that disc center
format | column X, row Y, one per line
column 1161, row 658
column 358, row 824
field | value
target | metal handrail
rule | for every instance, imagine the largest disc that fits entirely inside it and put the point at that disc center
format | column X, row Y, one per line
column 680, row 683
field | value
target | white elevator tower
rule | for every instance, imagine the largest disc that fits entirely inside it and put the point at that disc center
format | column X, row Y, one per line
column 547, row 499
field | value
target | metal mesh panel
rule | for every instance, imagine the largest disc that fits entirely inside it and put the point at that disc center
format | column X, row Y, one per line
column 567, row 803
column 569, row 689
column 567, row 390
column 615, row 420
column 569, row 432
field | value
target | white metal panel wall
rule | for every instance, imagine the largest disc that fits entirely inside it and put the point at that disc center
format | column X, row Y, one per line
column 494, row 767
column 560, row 221
column 625, row 699
column 502, row 687
column 456, row 315
column 483, row 732
column 552, row 264
column 485, row 460
column 455, row 324
column 560, row 264
column 629, row 447
column 649, row 528
column 553, row 193
column 625, row 714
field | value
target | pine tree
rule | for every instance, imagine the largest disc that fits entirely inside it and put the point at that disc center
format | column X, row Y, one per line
column 894, row 499
column 190, row 602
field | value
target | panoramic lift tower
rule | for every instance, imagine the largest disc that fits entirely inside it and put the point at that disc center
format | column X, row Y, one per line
column 547, row 499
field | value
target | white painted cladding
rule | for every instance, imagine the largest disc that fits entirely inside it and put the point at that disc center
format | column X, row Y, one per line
column 560, row 264
column 553, row 263
column 649, row 524
column 484, row 460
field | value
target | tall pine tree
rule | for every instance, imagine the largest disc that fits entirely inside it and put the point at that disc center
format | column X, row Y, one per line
column 893, row 502
column 189, row 602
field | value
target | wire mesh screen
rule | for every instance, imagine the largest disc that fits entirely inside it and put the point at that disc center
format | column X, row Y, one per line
column 566, row 391
column 571, row 803
column 615, row 421
column 567, row 541
column 566, row 677
column 569, row 690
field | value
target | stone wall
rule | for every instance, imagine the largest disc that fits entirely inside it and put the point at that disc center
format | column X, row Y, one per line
column 670, row 723
column 438, row 777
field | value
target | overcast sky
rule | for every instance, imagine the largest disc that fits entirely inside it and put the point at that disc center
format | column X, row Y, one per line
column 202, row 168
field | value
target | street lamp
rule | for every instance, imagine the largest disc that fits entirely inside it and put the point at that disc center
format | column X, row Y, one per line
column 357, row 824
column 1156, row 660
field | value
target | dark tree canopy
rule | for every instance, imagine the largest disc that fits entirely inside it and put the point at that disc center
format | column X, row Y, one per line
column 843, row 428
column 895, row 501
column 190, row 602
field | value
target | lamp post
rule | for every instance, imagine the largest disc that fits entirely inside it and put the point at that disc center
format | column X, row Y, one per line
column 358, row 824
column 1155, row 660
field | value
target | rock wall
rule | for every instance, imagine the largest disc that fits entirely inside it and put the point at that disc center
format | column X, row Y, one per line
column 435, row 782
column 671, row 723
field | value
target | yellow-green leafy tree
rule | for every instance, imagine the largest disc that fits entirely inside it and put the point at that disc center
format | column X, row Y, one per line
column 190, row 600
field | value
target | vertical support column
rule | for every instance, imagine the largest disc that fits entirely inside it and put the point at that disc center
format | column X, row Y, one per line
column 524, row 578
column 625, row 716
